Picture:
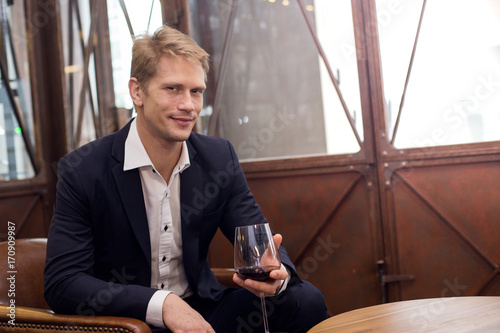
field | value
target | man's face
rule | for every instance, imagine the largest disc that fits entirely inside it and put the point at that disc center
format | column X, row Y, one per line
column 168, row 109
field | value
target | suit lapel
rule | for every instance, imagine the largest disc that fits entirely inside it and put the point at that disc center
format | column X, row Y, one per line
column 192, row 204
column 130, row 190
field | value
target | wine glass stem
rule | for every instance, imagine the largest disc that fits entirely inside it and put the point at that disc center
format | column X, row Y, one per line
column 264, row 312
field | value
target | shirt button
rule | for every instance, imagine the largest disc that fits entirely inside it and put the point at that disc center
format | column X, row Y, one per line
column 162, row 286
column 165, row 228
column 164, row 258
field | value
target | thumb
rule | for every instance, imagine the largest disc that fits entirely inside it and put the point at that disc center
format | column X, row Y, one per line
column 277, row 240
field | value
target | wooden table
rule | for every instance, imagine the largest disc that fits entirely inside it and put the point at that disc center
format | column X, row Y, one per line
column 453, row 314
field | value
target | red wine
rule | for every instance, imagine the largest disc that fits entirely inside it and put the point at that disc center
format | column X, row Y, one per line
column 258, row 273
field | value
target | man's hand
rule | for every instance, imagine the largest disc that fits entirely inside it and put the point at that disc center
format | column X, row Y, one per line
column 179, row 317
column 269, row 287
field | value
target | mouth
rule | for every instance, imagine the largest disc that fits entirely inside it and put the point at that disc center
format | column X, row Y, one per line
column 183, row 121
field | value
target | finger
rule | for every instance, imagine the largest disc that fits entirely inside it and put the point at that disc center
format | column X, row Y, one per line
column 239, row 281
column 279, row 274
column 277, row 240
column 257, row 287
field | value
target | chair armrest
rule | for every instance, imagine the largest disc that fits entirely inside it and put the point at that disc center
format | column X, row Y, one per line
column 39, row 321
column 225, row 276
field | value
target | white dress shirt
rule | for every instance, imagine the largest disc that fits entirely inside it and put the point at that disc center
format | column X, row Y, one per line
column 162, row 201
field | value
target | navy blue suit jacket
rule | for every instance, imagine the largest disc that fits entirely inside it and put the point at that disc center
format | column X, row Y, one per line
column 98, row 251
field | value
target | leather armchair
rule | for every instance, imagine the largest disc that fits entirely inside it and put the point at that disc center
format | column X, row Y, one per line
column 32, row 314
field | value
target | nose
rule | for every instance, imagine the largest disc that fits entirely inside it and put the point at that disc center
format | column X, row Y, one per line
column 186, row 102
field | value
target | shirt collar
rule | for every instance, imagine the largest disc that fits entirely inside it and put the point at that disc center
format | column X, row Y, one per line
column 136, row 155
column 184, row 161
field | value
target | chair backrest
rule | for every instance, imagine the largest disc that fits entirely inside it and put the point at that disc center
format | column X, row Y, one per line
column 21, row 272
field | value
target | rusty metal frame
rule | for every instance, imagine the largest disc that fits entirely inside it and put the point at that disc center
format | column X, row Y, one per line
column 45, row 75
column 457, row 230
column 329, row 217
column 390, row 161
column 454, row 228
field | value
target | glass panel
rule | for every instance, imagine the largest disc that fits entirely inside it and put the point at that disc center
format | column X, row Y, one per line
column 397, row 26
column 75, row 20
column 453, row 95
column 276, row 97
column 14, row 159
column 335, row 31
column 145, row 16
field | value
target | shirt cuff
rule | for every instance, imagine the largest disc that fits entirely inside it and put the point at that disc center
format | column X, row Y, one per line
column 154, row 312
column 284, row 282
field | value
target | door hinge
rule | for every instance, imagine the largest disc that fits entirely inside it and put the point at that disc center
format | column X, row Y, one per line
column 384, row 278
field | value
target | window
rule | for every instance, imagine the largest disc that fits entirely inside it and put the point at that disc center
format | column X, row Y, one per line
column 80, row 72
column 275, row 94
column 453, row 91
column 16, row 114
column 145, row 18
column 97, row 85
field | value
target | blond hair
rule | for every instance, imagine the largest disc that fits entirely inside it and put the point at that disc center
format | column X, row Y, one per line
column 148, row 49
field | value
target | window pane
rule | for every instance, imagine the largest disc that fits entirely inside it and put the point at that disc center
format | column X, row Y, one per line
column 14, row 159
column 276, row 96
column 75, row 20
column 334, row 26
column 453, row 94
column 145, row 16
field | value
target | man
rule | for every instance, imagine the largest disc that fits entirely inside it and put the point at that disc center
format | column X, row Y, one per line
column 136, row 211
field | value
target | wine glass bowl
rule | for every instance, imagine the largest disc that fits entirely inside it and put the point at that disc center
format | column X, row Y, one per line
column 255, row 256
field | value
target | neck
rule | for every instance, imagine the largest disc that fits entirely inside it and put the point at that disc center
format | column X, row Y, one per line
column 165, row 160
column 163, row 154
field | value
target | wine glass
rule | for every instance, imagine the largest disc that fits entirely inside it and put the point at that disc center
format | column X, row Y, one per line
column 255, row 256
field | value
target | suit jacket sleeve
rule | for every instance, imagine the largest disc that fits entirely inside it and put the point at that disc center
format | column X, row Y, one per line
column 243, row 209
column 240, row 206
column 72, row 283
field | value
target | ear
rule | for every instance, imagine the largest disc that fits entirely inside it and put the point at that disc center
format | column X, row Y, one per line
column 135, row 91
